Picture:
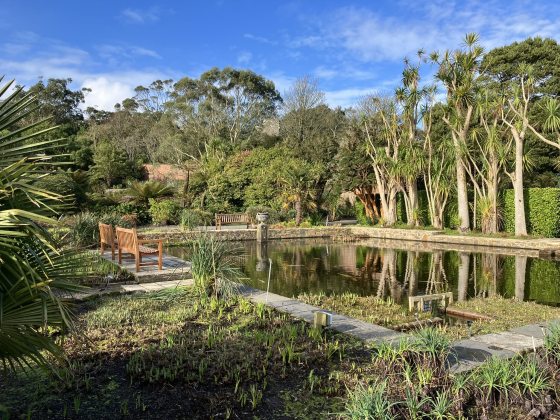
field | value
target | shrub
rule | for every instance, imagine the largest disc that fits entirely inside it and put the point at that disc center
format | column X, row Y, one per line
column 140, row 212
column 84, row 227
column 164, row 212
column 361, row 214
column 213, row 269
column 142, row 192
column 191, row 218
column 542, row 211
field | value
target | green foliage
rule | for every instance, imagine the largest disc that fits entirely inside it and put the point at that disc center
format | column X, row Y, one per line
column 164, row 211
column 72, row 186
column 140, row 212
column 213, row 269
column 370, row 403
column 111, row 164
column 142, row 192
column 84, row 227
column 361, row 216
column 542, row 209
column 191, row 218
column 32, row 266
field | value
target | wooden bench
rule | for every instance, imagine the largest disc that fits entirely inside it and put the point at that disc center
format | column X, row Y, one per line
column 231, row 219
column 107, row 237
column 129, row 243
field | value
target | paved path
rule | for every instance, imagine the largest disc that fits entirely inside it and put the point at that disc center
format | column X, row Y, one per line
column 116, row 289
column 359, row 329
column 173, row 268
column 466, row 354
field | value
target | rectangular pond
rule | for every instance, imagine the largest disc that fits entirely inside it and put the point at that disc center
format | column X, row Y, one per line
column 395, row 272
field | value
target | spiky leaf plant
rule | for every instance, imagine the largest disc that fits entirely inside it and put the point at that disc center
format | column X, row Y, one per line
column 213, row 268
column 33, row 271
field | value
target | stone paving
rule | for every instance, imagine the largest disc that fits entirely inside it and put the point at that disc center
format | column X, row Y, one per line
column 173, row 268
column 116, row 289
column 466, row 354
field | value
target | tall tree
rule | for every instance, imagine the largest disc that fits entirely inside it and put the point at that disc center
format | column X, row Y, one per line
column 227, row 104
column 459, row 71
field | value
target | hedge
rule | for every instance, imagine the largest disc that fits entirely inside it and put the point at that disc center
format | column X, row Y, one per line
column 542, row 211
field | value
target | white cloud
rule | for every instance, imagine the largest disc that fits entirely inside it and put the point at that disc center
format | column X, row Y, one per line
column 141, row 16
column 244, row 57
column 106, row 92
column 260, row 39
column 109, row 89
column 368, row 36
column 56, row 60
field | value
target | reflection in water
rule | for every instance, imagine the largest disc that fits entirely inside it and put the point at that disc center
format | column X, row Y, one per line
column 323, row 266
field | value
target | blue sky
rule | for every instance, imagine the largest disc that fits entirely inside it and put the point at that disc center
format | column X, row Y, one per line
column 351, row 47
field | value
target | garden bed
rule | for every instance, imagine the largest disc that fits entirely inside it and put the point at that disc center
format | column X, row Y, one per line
column 173, row 354
column 505, row 313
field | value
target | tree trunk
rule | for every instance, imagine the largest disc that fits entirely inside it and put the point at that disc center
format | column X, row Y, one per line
column 413, row 198
column 463, row 278
column 298, row 212
column 462, row 197
column 391, row 213
column 520, row 223
column 520, row 271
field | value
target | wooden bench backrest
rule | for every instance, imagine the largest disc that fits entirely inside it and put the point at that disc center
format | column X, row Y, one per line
column 128, row 240
column 106, row 234
column 232, row 218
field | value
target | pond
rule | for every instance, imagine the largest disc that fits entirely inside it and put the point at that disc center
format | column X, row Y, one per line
column 329, row 267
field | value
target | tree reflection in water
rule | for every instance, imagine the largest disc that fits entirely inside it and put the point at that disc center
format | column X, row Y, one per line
column 325, row 266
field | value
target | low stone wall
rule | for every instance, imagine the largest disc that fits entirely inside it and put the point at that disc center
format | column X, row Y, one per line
column 550, row 247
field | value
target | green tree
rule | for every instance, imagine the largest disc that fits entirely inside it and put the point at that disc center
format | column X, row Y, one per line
column 298, row 182
column 111, row 164
column 460, row 73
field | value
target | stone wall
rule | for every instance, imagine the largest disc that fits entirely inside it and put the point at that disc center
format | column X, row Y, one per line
column 549, row 246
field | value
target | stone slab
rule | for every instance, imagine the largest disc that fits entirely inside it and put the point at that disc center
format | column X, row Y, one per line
column 532, row 330
column 470, row 353
column 511, row 341
column 116, row 289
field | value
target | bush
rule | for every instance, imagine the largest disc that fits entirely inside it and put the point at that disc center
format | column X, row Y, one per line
column 542, row 211
column 213, row 267
column 361, row 216
column 164, row 212
column 84, row 227
column 191, row 218
column 142, row 192
column 140, row 212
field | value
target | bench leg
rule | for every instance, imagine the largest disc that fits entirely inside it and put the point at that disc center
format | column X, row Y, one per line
column 160, row 256
column 120, row 256
column 102, row 248
column 112, row 252
column 138, row 261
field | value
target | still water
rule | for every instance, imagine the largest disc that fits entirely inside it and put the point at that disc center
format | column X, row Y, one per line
column 325, row 266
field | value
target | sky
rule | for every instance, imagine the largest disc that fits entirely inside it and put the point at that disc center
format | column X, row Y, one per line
column 352, row 48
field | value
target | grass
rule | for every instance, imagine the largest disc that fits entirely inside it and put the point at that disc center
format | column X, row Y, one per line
column 170, row 353
column 175, row 354
column 367, row 308
column 507, row 313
